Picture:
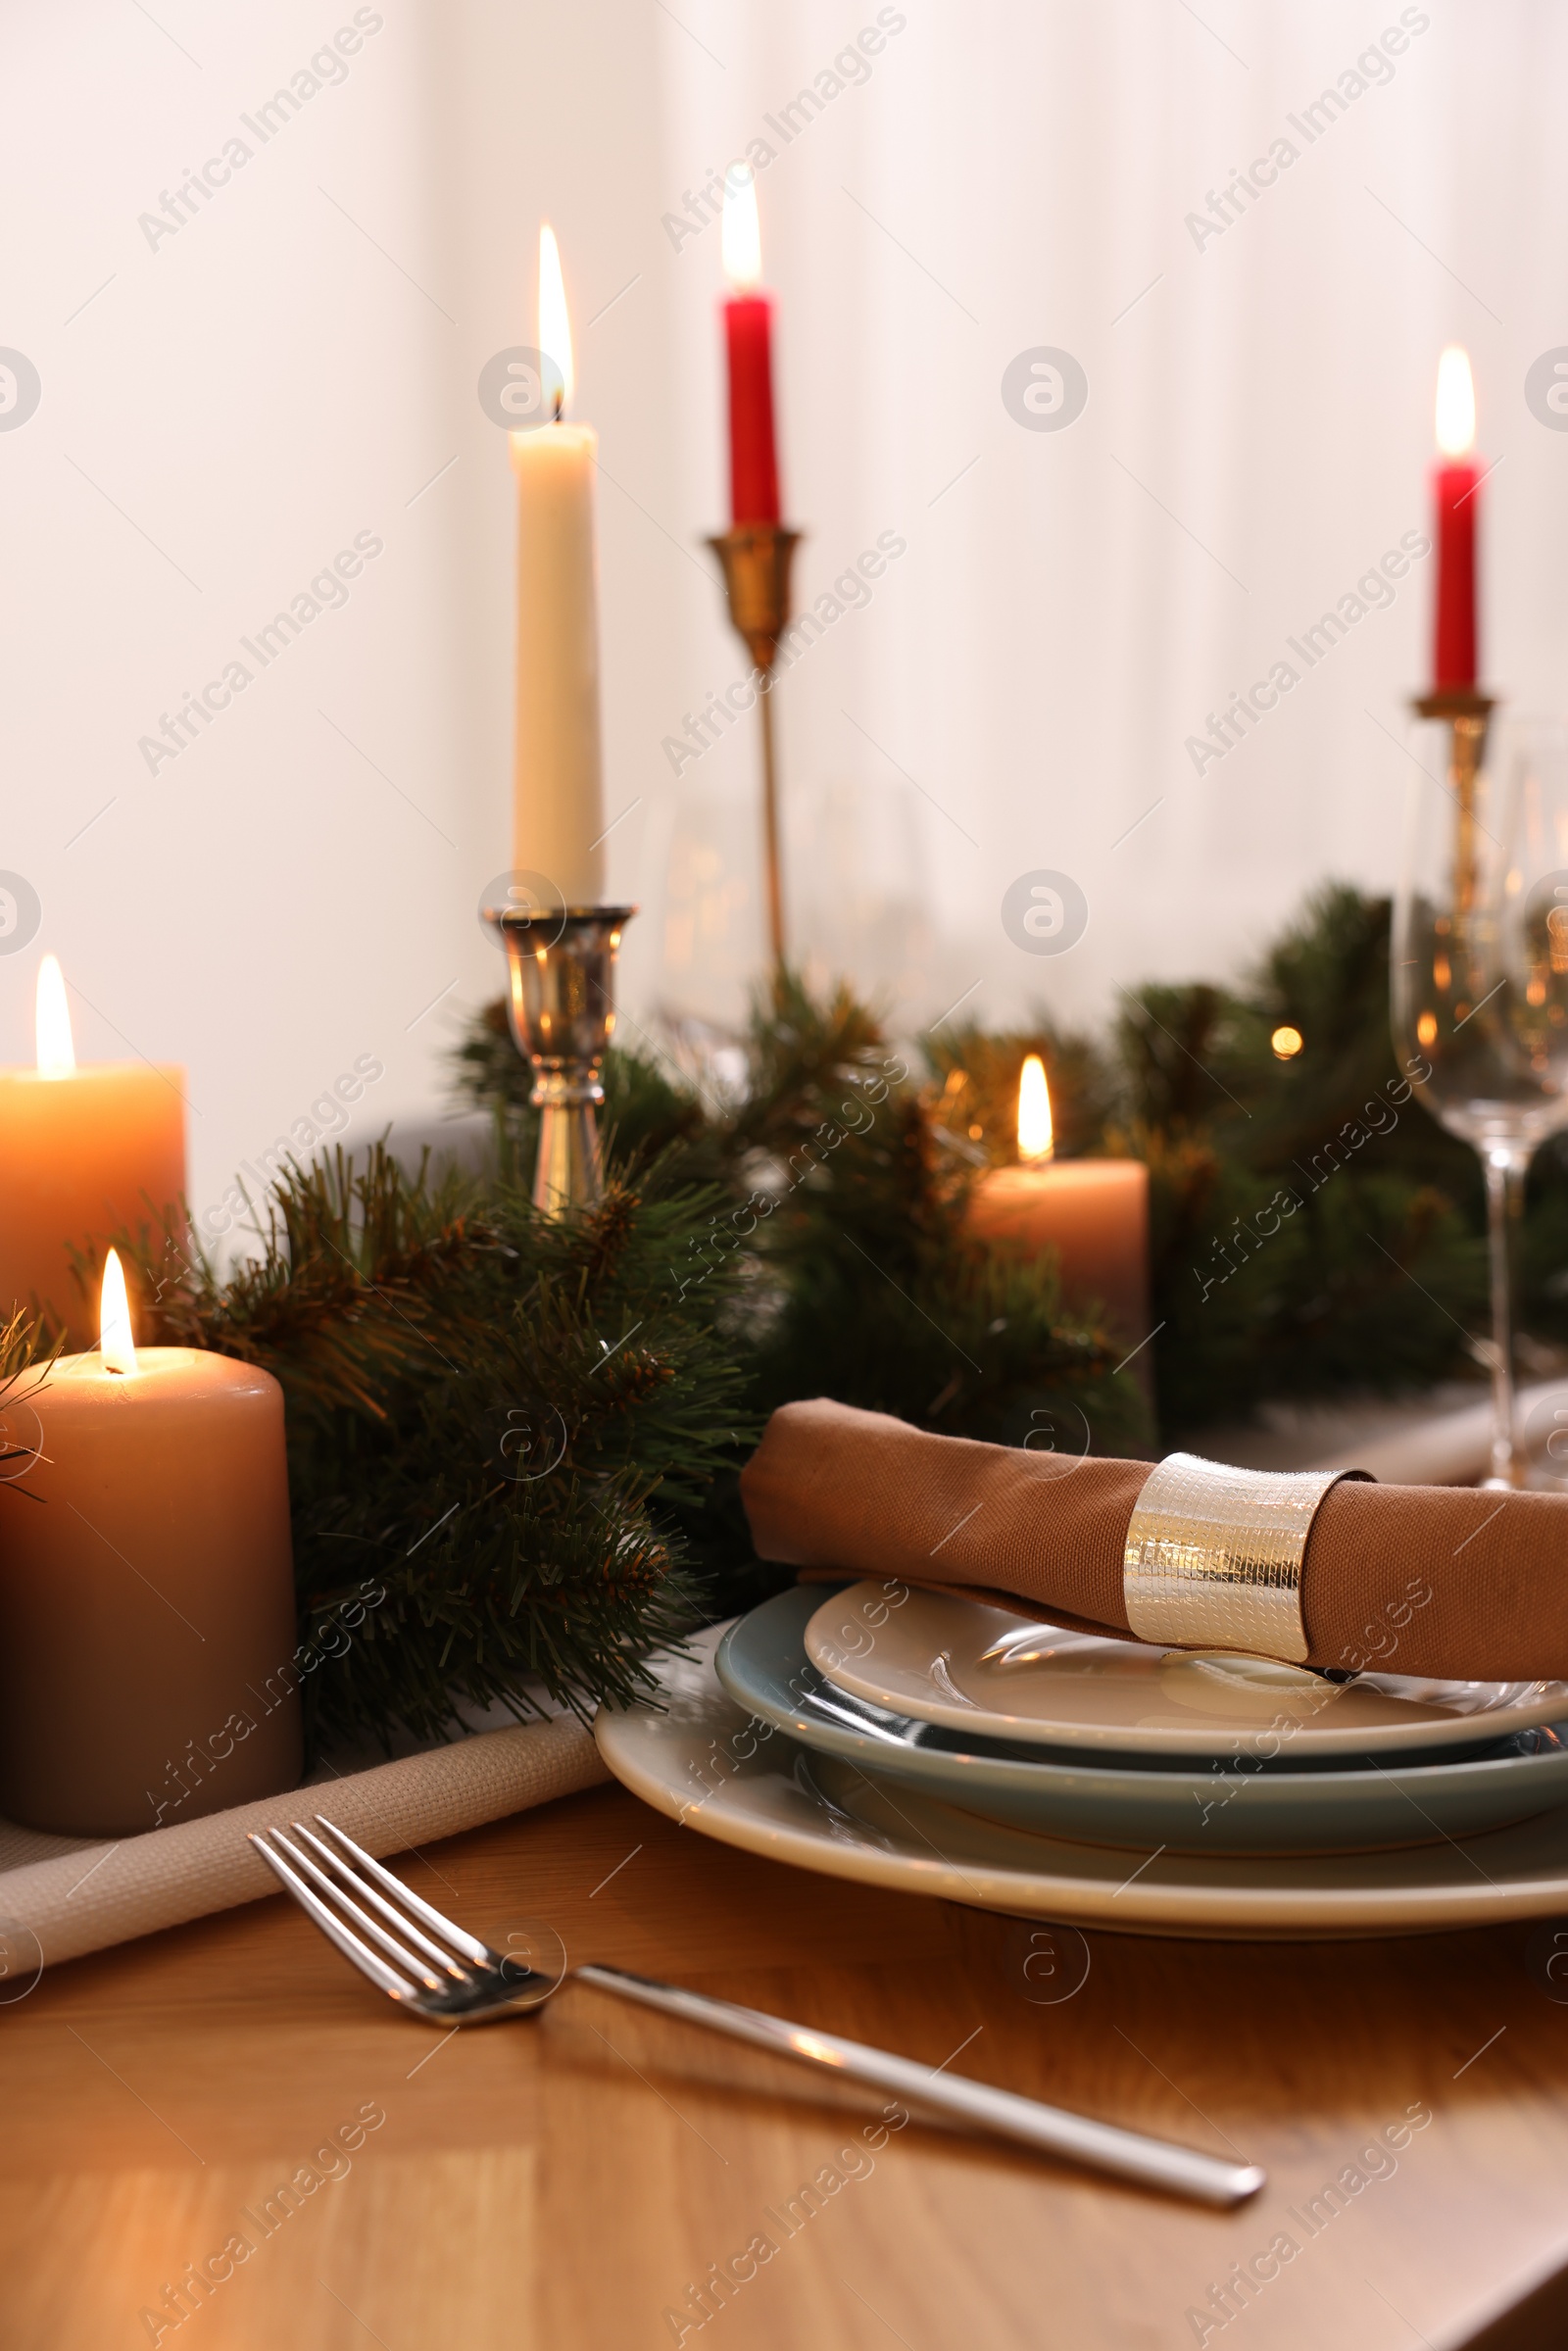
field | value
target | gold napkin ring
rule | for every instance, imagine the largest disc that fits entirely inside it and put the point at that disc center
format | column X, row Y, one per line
column 1213, row 1557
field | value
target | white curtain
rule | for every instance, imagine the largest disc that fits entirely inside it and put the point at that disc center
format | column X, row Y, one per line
column 1075, row 605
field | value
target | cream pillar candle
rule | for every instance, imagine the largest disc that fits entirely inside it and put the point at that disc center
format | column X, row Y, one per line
column 84, row 1153
column 1094, row 1212
column 147, row 1634
column 559, row 802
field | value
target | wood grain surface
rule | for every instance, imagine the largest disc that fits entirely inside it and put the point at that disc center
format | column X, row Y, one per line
column 568, row 2181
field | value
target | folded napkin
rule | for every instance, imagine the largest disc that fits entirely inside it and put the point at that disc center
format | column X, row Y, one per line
column 62, row 1896
column 1439, row 1580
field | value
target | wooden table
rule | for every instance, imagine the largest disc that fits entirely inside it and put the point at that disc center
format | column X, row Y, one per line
column 565, row 2181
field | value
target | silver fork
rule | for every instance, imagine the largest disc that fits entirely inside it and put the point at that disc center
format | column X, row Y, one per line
column 434, row 1970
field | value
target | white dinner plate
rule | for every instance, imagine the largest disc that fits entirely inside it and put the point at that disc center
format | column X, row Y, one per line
column 984, row 1670
column 696, row 1756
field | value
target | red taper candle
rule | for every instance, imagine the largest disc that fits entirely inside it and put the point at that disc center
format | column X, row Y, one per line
column 1457, row 495
column 749, row 336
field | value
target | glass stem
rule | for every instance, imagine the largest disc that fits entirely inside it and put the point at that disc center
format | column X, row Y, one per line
column 1505, row 1167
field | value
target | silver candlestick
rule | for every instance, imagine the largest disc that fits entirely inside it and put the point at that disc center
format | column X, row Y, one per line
column 560, row 1003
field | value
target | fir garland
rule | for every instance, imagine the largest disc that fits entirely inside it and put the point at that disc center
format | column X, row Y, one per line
column 1314, row 1229
column 847, row 1219
column 526, row 1434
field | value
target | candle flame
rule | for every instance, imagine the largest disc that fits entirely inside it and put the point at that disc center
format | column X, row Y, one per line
column 1035, row 1138
column 57, row 1054
column 1457, row 403
column 555, row 326
column 115, row 1342
column 741, row 231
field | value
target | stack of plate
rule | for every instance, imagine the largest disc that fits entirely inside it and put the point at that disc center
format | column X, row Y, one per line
column 936, row 1742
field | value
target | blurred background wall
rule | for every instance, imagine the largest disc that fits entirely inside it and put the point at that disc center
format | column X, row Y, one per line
column 226, row 404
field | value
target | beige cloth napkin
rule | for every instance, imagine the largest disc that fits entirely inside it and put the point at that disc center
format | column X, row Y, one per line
column 80, row 1894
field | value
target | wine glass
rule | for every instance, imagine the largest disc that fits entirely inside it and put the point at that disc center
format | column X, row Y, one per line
column 1479, row 979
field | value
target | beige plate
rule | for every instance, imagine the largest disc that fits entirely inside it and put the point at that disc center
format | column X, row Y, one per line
column 709, row 1765
column 926, row 1655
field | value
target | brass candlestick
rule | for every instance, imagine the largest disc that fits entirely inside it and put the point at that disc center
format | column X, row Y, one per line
column 1466, row 1073
column 561, row 1005
column 1468, row 715
column 755, row 559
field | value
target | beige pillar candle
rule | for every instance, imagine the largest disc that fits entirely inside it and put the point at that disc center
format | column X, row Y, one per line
column 1094, row 1212
column 84, row 1153
column 559, row 802
column 147, row 1634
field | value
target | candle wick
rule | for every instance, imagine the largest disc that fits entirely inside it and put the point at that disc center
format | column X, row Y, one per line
column 560, row 401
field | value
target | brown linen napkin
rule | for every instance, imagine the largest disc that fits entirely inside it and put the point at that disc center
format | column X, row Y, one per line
column 1440, row 1579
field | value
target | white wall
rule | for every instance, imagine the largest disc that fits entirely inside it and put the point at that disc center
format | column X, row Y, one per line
column 221, row 416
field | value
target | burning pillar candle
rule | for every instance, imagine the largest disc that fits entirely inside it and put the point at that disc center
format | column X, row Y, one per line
column 1092, row 1212
column 84, row 1153
column 558, row 803
column 148, row 1669
column 1456, row 491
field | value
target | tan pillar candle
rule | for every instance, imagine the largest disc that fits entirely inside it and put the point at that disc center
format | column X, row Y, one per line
column 1094, row 1212
column 147, row 1632
column 84, row 1153
column 559, row 802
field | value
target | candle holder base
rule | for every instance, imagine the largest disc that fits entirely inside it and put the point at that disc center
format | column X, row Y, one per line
column 561, row 1006
column 571, row 1170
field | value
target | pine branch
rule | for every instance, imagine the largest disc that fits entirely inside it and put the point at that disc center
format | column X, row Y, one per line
column 491, row 1419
